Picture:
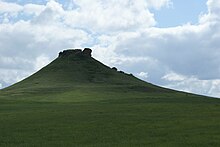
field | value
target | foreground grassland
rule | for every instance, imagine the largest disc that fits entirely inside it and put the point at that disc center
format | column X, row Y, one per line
column 83, row 103
column 110, row 119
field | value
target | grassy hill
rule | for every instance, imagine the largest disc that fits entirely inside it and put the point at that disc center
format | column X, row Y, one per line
column 78, row 101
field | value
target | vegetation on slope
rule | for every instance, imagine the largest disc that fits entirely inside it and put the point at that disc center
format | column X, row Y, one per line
column 78, row 101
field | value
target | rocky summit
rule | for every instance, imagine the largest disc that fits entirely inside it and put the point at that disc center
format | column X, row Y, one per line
column 87, row 52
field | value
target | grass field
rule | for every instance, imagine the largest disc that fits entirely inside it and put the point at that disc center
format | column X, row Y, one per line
column 80, row 102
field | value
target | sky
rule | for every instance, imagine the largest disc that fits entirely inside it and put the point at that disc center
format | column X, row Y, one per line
column 171, row 43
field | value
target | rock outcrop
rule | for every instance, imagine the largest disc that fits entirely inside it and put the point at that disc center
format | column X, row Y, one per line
column 87, row 52
column 114, row 68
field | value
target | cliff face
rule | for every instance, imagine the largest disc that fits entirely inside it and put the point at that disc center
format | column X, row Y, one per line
column 87, row 52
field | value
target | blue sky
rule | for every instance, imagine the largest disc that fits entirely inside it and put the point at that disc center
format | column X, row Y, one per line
column 171, row 43
column 180, row 12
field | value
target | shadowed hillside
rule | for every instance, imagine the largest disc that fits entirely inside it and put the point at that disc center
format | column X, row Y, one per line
column 75, row 70
column 78, row 101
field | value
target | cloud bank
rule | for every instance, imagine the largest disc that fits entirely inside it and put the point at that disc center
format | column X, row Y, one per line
column 122, row 33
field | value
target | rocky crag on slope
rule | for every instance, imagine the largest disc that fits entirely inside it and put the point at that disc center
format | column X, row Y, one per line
column 87, row 52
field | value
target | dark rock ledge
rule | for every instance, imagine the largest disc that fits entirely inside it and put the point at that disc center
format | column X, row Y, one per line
column 87, row 52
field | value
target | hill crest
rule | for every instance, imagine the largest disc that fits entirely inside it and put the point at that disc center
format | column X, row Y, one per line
column 87, row 52
column 76, row 67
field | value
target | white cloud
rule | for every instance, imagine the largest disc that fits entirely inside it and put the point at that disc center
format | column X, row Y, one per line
column 51, row 14
column 41, row 61
column 213, row 6
column 213, row 12
column 33, row 9
column 111, row 15
column 25, row 47
column 193, row 84
column 122, row 33
column 143, row 75
column 9, row 7
column 9, row 76
column 157, row 4
column 173, row 77
column 187, row 50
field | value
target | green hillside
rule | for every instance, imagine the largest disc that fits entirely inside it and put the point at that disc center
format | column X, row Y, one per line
column 78, row 101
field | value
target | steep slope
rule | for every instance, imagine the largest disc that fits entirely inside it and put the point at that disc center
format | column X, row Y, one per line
column 76, row 70
column 73, row 69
